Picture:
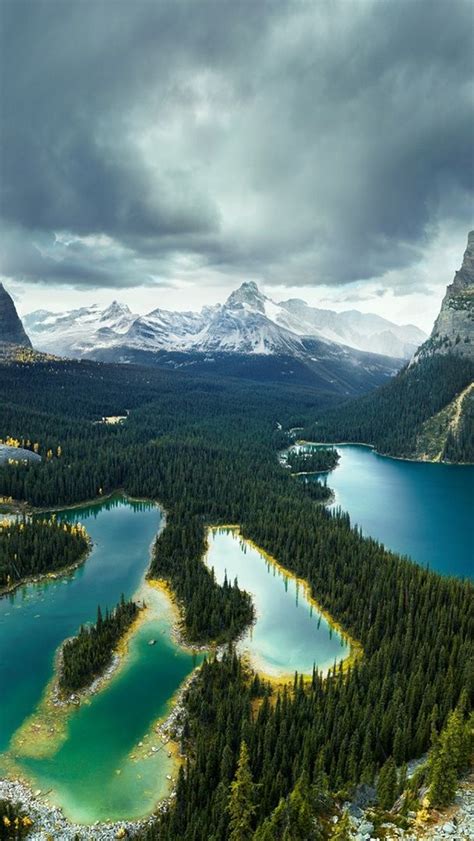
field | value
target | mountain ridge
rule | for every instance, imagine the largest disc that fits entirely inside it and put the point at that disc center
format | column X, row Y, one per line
column 248, row 322
column 248, row 336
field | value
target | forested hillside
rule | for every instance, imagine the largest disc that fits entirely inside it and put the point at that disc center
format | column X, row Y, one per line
column 208, row 452
column 424, row 412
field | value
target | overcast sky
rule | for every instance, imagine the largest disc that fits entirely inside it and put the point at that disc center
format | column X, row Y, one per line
column 160, row 153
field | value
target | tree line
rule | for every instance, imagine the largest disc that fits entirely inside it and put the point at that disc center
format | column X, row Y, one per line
column 312, row 461
column 30, row 547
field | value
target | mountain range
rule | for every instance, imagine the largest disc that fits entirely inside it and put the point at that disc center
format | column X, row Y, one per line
column 249, row 335
column 247, row 323
column 426, row 410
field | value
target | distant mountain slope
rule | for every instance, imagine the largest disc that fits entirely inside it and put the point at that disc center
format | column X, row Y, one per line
column 427, row 410
column 12, row 331
column 449, row 435
column 363, row 331
column 248, row 322
column 75, row 332
column 329, row 368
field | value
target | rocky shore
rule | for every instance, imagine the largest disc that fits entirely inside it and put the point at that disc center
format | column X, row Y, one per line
column 49, row 821
column 454, row 824
column 457, row 823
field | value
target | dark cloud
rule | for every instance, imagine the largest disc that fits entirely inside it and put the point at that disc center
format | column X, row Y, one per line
column 297, row 142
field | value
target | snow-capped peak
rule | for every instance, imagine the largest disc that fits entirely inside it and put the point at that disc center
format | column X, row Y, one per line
column 248, row 295
column 116, row 310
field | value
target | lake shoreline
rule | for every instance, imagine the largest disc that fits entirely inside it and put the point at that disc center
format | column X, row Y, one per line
column 19, row 507
column 118, row 654
column 51, row 576
column 178, row 635
column 304, row 442
column 42, row 733
column 283, row 679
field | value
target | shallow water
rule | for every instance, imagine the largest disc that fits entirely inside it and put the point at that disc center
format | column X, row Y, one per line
column 289, row 634
column 82, row 771
column 418, row 509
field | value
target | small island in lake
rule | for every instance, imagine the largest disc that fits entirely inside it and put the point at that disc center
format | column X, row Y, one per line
column 87, row 655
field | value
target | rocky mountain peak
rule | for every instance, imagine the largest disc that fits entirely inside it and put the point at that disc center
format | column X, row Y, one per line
column 11, row 328
column 453, row 330
column 248, row 294
column 115, row 310
column 465, row 276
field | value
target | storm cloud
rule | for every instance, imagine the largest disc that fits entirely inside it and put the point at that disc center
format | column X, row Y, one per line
column 299, row 143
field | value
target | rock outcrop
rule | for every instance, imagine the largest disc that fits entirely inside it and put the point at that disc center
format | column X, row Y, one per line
column 453, row 330
column 12, row 331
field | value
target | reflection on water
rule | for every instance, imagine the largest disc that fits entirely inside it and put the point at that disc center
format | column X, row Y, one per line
column 289, row 634
column 418, row 509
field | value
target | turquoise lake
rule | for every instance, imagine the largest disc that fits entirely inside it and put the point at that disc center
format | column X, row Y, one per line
column 289, row 633
column 92, row 774
column 419, row 509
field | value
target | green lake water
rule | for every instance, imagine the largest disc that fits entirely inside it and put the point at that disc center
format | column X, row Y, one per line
column 102, row 734
column 419, row 509
column 289, row 633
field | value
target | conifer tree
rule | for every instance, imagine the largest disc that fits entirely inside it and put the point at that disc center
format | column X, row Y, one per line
column 448, row 758
column 241, row 805
column 387, row 784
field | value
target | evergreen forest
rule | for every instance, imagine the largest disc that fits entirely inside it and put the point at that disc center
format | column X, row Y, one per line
column 392, row 417
column 207, row 450
column 32, row 547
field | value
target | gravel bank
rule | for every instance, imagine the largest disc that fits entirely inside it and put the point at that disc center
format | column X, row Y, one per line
column 50, row 822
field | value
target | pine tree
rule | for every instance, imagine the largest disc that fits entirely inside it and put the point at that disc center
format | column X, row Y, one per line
column 448, row 758
column 302, row 825
column 387, row 784
column 241, row 805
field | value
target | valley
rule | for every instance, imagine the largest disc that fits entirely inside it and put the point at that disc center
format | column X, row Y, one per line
column 236, row 421
column 314, row 582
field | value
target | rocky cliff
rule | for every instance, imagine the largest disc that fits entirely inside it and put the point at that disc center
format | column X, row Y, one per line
column 11, row 329
column 453, row 330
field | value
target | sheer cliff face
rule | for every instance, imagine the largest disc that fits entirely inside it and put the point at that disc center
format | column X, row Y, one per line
column 453, row 330
column 11, row 329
